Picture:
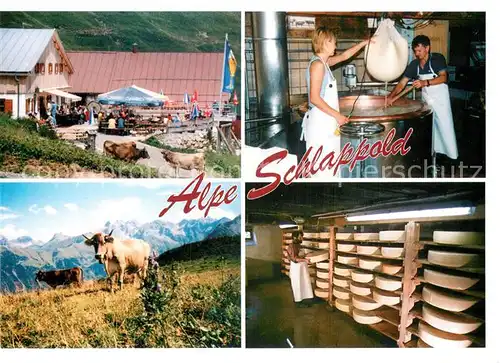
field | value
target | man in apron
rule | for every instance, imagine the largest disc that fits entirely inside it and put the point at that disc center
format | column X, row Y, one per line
column 299, row 270
column 429, row 72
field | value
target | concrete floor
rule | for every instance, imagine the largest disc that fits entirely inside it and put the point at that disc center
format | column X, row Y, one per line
column 272, row 317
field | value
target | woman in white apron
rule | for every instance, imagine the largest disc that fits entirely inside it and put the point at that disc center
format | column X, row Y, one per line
column 299, row 271
column 438, row 97
column 322, row 120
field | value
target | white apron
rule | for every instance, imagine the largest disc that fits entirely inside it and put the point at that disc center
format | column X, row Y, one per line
column 443, row 132
column 318, row 128
column 301, row 282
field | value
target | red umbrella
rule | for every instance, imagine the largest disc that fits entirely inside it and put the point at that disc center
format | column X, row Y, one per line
column 195, row 96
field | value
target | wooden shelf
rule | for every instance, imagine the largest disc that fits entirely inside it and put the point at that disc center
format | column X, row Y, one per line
column 476, row 340
column 399, row 275
column 480, row 294
column 453, row 247
column 370, row 257
column 471, row 270
column 371, row 243
column 396, row 307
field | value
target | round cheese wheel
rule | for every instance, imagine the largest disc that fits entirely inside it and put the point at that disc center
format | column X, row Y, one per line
column 343, row 305
column 341, row 281
column 367, row 250
column 287, row 273
column 365, row 236
column 369, row 264
column 392, row 252
column 342, row 271
column 363, row 317
column 391, row 269
column 360, row 276
column 311, row 235
column 324, row 245
column 287, row 267
column 341, row 293
column 449, row 281
column 364, row 303
column 458, row 238
column 392, row 236
column 388, row 284
column 348, row 260
column 343, row 235
column 324, row 235
column 322, row 274
column 317, row 256
column 307, row 251
column 345, row 248
column 323, row 265
column 437, row 338
column 286, row 260
column 287, row 235
column 288, row 241
column 447, row 300
column 322, row 284
column 454, row 259
column 358, row 289
column 385, row 297
column 322, row 293
column 449, row 322
column 307, row 243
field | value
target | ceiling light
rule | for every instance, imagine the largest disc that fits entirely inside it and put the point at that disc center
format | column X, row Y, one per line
column 412, row 214
column 287, row 225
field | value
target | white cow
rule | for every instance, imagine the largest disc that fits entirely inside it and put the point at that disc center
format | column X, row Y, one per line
column 120, row 256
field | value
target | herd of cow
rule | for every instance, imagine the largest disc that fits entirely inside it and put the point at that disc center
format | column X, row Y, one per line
column 132, row 256
column 128, row 151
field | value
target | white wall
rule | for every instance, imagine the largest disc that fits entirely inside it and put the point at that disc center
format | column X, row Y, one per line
column 22, row 104
column 263, row 260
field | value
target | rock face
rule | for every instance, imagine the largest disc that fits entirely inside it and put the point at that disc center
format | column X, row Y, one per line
column 197, row 140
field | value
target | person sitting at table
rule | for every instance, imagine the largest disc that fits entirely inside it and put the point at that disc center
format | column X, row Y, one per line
column 112, row 123
column 121, row 123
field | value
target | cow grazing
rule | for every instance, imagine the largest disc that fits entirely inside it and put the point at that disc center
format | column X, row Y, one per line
column 184, row 161
column 120, row 256
column 61, row 277
column 126, row 151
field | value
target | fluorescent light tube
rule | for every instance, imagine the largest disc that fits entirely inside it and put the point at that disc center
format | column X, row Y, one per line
column 424, row 213
column 283, row 226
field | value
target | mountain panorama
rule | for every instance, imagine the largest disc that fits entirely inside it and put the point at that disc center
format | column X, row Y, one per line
column 20, row 258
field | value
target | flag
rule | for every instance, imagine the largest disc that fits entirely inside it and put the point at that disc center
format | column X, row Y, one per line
column 195, row 96
column 186, row 98
column 235, row 99
column 228, row 69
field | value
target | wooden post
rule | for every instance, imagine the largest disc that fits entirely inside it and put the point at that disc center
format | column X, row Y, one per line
column 410, row 265
column 332, row 246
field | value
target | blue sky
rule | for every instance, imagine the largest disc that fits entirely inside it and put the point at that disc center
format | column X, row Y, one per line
column 40, row 210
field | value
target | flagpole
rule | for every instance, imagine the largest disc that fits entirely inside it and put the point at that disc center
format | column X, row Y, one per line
column 222, row 80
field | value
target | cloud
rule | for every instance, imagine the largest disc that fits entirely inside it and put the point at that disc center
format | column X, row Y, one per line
column 4, row 208
column 72, row 207
column 176, row 213
column 10, row 231
column 47, row 209
column 4, row 216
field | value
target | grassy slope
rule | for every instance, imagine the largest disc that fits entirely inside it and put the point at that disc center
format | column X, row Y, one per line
column 92, row 317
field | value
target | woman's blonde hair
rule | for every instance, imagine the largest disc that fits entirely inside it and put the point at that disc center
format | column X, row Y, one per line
column 321, row 35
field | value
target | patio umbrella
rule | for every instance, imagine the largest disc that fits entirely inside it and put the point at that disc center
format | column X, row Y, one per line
column 195, row 112
column 186, row 98
column 131, row 96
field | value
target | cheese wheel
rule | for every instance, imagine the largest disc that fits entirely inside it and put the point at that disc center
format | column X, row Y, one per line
column 391, row 269
column 310, row 235
column 342, row 271
column 307, row 251
column 322, row 284
column 307, row 243
column 393, row 252
column 287, row 273
column 348, row 260
column 341, row 281
column 392, row 236
column 287, row 267
column 358, row 289
column 362, row 277
column 324, row 235
column 437, row 338
column 388, row 284
column 286, row 260
column 323, row 265
column 322, row 274
column 343, row 235
column 317, row 256
column 288, row 241
column 363, row 317
column 449, row 281
column 365, row 236
column 322, row 293
column 454, row 259
column 369, row 264
column 341, row 293
column 345, row 248
column 449, row 322
column 385, row 297
column 364, row 303
column 367, row 250
column 343, row 305
column 447, row 300
column 458, row 238
column 324, row 245
column 287, row 235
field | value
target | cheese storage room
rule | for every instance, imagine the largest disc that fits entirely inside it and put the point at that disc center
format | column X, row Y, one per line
column 365, row 265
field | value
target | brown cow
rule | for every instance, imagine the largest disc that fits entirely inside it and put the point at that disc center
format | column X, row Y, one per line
column 184, row 161
column 61, row 277
column 126, row 151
